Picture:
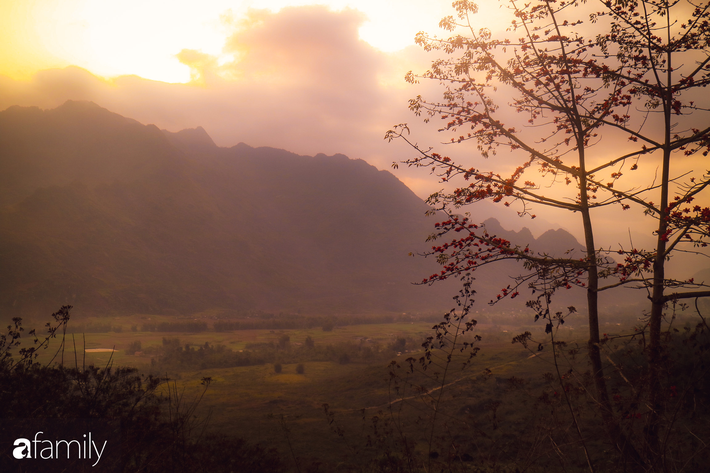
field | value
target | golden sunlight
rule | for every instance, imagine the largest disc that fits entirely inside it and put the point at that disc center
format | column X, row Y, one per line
column 144, row 37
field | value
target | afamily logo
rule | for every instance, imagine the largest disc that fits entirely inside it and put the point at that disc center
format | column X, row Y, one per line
column 44, row 449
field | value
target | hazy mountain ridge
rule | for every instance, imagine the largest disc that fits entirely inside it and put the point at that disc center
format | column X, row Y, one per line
column 551, row 242
column 110, row 215
column 194, row 139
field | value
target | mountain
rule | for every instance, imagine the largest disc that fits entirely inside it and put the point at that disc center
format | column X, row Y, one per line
column 552, row 242
column 115, row 217
column 491, row 279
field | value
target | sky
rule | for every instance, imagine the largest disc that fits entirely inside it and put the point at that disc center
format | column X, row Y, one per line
column 307, row 77
column 310, row 78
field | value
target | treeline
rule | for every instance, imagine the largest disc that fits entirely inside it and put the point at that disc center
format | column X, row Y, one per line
column 190, row 326
column 253, row 322
column 296, row 321
column 173, row 355
column 96, row 327
column 266, row 321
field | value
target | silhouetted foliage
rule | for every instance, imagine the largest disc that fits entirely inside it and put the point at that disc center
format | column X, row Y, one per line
column 309, row 343
column 284, row 341
column 344, row 359
column 154, row 430
column 133, row 347
column 328, row 326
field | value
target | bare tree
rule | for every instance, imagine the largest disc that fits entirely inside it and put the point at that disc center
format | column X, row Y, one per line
column 588, row 116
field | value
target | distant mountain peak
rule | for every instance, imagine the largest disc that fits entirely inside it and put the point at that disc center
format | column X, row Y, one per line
column 494, row 227
column 76, row 115
column 192, row 139
column 553, row 242
column 79, row 105
column 559, row 240
column 86, row 109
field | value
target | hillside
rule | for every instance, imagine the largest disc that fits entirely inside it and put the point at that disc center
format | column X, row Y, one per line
column 112, row 216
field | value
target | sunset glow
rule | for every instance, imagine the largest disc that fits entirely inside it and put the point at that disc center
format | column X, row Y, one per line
column 144, row 37
column 355, row 235
column 304, row 76
column 309, row 77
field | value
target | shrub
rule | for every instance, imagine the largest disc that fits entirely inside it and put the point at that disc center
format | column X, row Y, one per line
column 300, row 369
column 133, row 347
column 284, row 341
column 277, row 368
column 399, row 345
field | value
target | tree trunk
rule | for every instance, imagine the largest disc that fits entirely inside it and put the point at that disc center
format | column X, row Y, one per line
column 655, row 349
column 617, row 437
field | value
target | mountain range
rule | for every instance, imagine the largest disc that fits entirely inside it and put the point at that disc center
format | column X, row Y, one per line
column 116, row 217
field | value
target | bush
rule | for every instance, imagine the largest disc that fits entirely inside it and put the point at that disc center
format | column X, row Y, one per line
column 300, row 369
column 328, row 326
column 133, row 347
column 277, row 368
column 149, row 327
column 284, row 341
column 399, row 345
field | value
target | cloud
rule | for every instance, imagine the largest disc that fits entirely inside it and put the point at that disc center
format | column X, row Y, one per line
column 201, row 64
column 305, row 46
column 300, row 79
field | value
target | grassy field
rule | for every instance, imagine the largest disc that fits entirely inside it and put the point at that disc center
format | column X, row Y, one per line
column 285, row 410
column 507, row 408
column 236, row 340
